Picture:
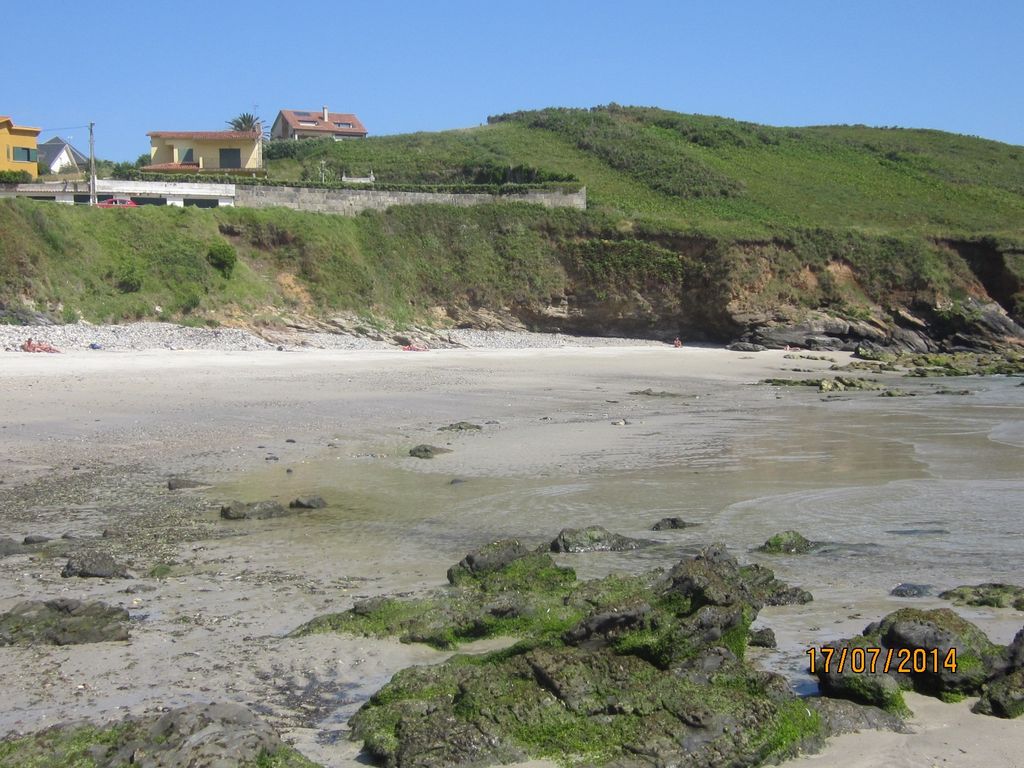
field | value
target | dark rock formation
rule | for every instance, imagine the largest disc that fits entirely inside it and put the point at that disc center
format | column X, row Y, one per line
column 182, row 483
column 745, row 346
column 307, row 502
column 763, row 638
column 425, row 451
column 906, row 589
column 93, row 564
column 35, row 538
column 652, row 393
column 594, row 538
column 840, row 716
column 671, row 524
column 62, row 622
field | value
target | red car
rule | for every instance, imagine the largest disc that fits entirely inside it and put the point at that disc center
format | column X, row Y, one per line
column 117, row 202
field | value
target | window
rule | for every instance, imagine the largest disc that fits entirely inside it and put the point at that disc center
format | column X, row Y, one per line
column 25, row 155
column 231, row 158
column 307, row 123
column 187, row 157
column 344, row 125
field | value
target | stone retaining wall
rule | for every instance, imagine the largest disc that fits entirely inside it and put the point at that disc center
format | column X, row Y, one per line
column 350, row 202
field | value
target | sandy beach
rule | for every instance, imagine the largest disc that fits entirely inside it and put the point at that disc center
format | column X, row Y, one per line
column 570, row 436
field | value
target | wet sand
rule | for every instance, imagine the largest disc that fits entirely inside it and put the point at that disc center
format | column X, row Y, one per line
column 89, row 439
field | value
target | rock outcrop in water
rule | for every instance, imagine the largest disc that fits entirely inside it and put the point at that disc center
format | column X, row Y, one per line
column 787, row 543
column 594, row 538
column 626, row 670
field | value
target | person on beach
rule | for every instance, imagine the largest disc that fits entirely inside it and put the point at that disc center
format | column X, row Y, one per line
column 37, row 346
column 677, row 343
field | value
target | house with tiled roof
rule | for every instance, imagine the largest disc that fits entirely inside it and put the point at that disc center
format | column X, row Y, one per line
column 309, row 124
column 205, row 151
column 56, row 155
column 18, row 150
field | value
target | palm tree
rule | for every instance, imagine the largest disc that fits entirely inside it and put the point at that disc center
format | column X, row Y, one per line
column 247, row 122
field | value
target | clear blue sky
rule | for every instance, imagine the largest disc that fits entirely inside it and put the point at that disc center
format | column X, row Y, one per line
column 420, row 66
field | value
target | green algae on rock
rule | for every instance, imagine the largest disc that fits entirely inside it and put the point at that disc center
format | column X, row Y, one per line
column 198, row 734
column 635, row 670
column 63, row 621
column 786, row 543
column 988, row 594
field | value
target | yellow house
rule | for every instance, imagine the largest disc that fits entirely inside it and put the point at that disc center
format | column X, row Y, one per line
column 199, row 151
column 18, row 150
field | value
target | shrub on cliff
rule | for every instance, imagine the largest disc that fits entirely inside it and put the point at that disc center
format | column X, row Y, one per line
column 222, row 257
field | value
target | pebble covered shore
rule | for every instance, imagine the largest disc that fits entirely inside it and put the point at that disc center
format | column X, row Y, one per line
column 148, row 336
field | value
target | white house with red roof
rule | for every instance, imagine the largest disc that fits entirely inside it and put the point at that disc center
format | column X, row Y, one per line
column 308, row 124
column 205, row 151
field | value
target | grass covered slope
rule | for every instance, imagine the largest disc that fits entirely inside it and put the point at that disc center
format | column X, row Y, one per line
column 702, row 227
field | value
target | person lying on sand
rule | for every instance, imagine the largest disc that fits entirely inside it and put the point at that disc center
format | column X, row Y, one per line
column 37, row 346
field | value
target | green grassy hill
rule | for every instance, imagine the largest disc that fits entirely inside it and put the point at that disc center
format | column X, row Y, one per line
column 701, row 226
column 713, row 174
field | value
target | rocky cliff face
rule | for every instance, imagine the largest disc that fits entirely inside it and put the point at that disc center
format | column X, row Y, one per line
column 764, row 293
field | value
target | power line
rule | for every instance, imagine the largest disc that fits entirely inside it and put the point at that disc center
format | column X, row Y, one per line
column 65, row 128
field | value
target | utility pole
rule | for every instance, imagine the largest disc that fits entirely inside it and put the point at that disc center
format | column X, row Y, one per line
column 92, row 166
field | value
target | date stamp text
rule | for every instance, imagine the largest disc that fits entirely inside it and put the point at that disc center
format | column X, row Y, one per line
column 872, row 660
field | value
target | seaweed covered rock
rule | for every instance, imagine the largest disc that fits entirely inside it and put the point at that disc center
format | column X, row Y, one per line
column 936, row 653
column 763, row 638
column 593, row 538
column 62, row 622
column 1003, row 697
column 617, row 670
column 226, row 735
column 594, row 707
column 988, row 594
column 501, row 588
column 786, row 543
column 488, row 559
